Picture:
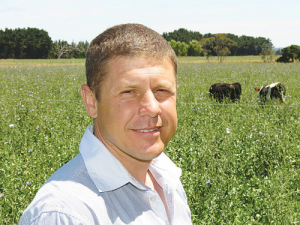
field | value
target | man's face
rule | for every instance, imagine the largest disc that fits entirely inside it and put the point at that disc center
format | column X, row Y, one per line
column 136, row 114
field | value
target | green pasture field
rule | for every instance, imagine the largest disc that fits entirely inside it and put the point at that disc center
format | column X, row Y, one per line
column 228, row 59
column 40, row 62
column 80, row 62
column 240, row 161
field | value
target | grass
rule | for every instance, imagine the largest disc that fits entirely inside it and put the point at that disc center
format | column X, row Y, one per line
column 41, row 62
column 80, row 62
column 240, row 162
column 228, row 59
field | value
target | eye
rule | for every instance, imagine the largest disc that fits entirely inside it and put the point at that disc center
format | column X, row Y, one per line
column 165, row 90
column 127, row 91
column 163, row 93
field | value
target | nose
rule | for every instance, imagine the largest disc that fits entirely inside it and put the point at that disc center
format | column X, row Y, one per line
column 149, row 105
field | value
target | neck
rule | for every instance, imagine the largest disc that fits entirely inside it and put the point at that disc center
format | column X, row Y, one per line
column 137, row 168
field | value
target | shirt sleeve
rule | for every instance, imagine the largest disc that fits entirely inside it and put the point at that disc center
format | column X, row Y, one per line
column 50, row 218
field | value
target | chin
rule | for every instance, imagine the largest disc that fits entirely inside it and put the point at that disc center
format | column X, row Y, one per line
column 147, row 158
column 152, row 153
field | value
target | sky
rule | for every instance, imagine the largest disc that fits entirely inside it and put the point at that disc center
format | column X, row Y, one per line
column 83, row 20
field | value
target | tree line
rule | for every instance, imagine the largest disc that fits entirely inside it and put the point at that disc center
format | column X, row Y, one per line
column 191, row 43
column 290, row 54
column 243, row 45
column 33, row 43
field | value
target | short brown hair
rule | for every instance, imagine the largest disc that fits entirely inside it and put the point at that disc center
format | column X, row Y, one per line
column 127, row 40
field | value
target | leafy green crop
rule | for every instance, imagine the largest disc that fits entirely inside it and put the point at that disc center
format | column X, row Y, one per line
column 240, row 161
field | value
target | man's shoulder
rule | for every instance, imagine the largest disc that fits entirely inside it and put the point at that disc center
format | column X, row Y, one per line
column 64, row 194
column 51, row 211
column 70, row 171
column 71, row 181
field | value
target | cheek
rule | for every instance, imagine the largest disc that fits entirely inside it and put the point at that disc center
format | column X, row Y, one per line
column 170, row 107
column 125, row 110
column 169, row 110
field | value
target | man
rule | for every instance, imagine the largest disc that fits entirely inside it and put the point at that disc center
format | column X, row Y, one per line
column 121, row 175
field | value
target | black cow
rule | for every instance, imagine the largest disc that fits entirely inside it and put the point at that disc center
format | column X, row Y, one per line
column 272, row 92
column 220, row 91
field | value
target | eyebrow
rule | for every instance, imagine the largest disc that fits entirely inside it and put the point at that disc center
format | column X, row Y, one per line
column 161, row 83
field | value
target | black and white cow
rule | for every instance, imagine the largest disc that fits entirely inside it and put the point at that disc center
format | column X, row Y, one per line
column 272, row 92
column 221, row 91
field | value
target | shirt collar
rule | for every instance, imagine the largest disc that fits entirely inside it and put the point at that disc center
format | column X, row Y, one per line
column 165, row 172
column 108, row 173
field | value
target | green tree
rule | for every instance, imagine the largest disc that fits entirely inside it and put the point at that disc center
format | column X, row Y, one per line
column 236, row 39
column 182, row 35
column 206, row 53
column 60, row 48
column 7, row 44
column 207, row 45
column 208, row 35
column 30, row 43
column 290, row 54
column 262, row 43
column 180, row 48
column 82, row 48
column 268, row 53
column 194, row 48
column 220, row 44
column 246, row 45
column 38, row 43
column 72, row 50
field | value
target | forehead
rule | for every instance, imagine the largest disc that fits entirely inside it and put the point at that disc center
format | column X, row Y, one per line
column 130, row 67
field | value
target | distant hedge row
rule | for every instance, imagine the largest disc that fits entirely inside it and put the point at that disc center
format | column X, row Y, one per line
column 246, row 45
column 33, row 43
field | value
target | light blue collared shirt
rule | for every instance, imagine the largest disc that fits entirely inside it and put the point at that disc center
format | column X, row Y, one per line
column 95, row 188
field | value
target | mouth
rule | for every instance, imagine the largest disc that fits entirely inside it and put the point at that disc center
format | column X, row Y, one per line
column 148, row 130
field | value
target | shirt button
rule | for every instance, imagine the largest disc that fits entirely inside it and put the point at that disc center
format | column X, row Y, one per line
column 153, row 199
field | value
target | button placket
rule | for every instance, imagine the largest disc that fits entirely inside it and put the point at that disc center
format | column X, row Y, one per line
column 153, row 198
column 157, row 205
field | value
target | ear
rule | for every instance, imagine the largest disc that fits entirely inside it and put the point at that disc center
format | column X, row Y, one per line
column 89, row 99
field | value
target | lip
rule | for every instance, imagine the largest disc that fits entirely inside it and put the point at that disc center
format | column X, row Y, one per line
column 147, row 130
